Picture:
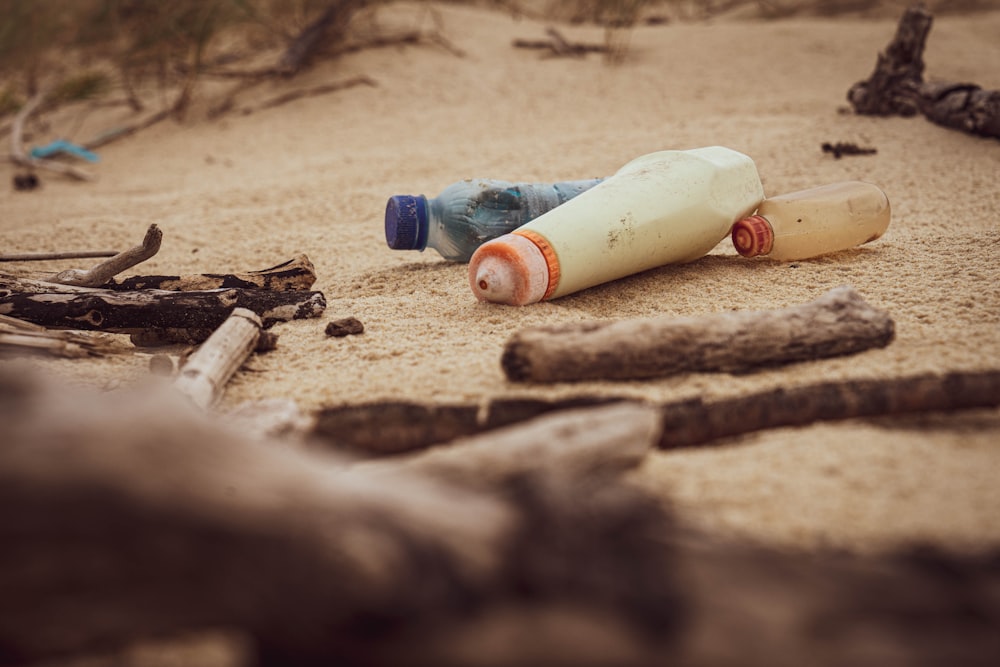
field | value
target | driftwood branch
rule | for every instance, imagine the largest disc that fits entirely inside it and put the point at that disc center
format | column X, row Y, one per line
column 382, row 428
column 328, row 27
column 839, row 322
column 897, row 86
column 297, row 273
column 694, row 422
column 559, row 46
column 314, row 91
column 46, row 256
column 117, row 133
column 206, row 372
column 20, row 157
column 109, row 268
column 130, row 311
column 20, row 337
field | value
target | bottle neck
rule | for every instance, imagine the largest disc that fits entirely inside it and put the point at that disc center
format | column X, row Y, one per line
column 753, row 236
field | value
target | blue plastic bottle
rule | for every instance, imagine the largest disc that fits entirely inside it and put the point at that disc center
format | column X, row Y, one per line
column 469, row 213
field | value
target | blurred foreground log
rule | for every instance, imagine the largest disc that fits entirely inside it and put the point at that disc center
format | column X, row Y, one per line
column 897, row 86
column 837, row 323
column 131, row 516
column 159, row 522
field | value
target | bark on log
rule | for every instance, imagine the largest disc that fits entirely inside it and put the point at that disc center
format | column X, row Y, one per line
column 297, row 273
column 897, row 86
column 67, row 307
column 839, row 322
column 694, row 422
column 206, row 372
column 892, row 88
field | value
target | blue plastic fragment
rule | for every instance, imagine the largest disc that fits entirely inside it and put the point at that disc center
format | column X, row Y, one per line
column 61, row 146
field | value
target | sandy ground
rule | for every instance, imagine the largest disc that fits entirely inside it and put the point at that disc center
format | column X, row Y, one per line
column 312, row 176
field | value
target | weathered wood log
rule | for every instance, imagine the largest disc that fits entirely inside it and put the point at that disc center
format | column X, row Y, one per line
column 893, row 87
column 297, row 273
column 837, row 323
column 608, row 439
column 159, row 521
column 694, row 422
column 897, row 86
column 111, row 267
column 20, row 337
column 206, row 372
column 68, row 307
column 379, row 429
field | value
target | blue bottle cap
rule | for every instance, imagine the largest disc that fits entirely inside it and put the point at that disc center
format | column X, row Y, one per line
column 406, row 222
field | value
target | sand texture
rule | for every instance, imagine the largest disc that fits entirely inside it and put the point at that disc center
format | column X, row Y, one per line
column 247, row 191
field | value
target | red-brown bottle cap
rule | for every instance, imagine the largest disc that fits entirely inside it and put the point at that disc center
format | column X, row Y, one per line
column 753, row 236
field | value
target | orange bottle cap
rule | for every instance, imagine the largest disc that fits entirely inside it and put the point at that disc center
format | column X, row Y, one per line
column 753, row 236
column 509, row 269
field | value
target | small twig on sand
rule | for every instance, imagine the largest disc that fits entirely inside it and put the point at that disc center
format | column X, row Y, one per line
column 206, row 372
column 20, row 157
column 314, row 91
column 43, row 256
column 122, row 132
column 839, row 322
column 108, row 269
column 558, row 45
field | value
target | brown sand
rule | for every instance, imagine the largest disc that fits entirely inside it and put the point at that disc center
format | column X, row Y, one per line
column 249, row 191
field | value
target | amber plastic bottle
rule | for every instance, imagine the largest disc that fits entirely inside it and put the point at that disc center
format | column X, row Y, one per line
column 814, row 222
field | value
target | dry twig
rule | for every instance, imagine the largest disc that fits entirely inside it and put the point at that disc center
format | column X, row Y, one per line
column 45, row 256
column 108, row 269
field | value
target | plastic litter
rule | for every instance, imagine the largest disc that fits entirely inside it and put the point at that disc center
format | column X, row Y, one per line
column 665, row 207
column 63, row 147
column 468, row 213
column 813, row 222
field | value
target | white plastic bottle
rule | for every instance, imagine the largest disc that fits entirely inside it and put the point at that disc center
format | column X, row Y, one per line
column 662, row 208
column 813, row 222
